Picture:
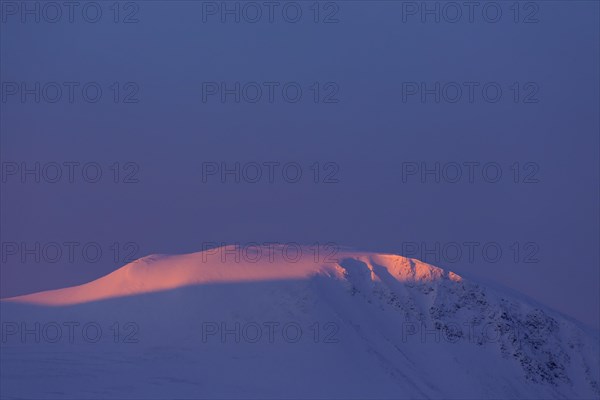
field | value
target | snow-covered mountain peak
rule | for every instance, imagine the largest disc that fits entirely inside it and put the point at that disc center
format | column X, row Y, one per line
column 230, row 264
column 375, row 326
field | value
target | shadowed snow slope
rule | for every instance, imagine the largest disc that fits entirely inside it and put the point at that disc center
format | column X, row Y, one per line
column 233, row 323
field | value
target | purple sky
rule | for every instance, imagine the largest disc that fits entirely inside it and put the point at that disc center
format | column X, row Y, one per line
column 171, row 73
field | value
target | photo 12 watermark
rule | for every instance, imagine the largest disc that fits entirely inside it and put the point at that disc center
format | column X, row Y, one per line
column 269, row 252
column 270, row 92
column 70, row 92
column 69, row 12
column 470, row 172
column 69, row 252
column 270, row 12
column 269, row 332
column 470, row 12
column 473, row 252
column 70, row 172
column 470, row 92
column 421, row 332
column 69, row 332
column 272, row 172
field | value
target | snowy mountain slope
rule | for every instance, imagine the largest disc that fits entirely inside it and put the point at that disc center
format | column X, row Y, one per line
column 357, row 325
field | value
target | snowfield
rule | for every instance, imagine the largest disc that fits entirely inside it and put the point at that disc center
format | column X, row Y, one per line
column 221, row 324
